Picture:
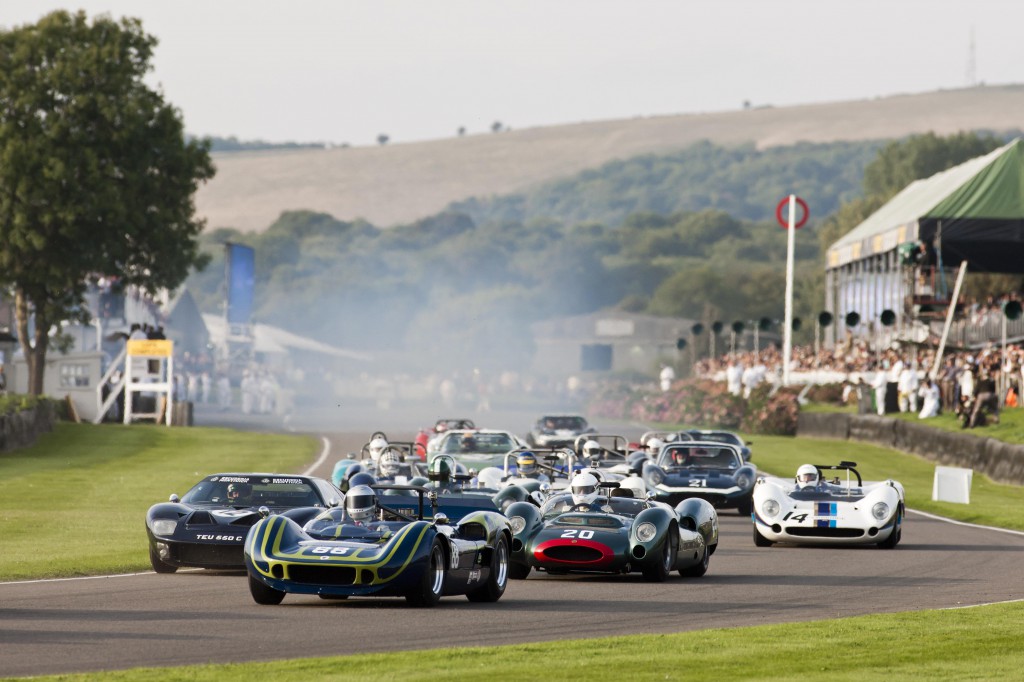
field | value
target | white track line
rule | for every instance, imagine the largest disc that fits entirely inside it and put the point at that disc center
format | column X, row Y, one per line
column 323, row 456
column 968, row 525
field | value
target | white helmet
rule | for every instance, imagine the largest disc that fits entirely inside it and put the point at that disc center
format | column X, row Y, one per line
column 490, row 477
column 389, row 464
column 592, row 450
column 377, row 447
column 584, row 488
column 807, row 476
column 654, row 446
column 361, row 504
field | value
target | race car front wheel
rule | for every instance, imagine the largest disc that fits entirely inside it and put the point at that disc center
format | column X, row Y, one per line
column 760, row 540
column 497, row 577
column 658, row 571
column 431, row 586
column 264, row 594
column 158, row 565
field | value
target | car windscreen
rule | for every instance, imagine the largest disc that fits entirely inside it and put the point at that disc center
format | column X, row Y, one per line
column 254, row 491
column 699, row 457
column 718, row 437
column 564, row 423
column 481, row 443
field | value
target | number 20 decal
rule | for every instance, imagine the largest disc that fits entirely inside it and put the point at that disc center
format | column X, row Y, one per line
column 582, row 535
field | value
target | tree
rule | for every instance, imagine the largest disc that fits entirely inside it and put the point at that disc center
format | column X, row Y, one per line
column 96, row 174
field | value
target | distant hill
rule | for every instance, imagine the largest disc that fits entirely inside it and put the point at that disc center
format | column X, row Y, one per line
column 400, row 183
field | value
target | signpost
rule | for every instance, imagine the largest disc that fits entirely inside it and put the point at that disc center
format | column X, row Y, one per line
column 149, row 368
column 791, row 225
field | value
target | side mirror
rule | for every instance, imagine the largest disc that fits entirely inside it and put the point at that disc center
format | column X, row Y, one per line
column 440, row 519
column 650, row 496
column 333, row 502
column 545, row 487
column 174, row 498
column 432, row 496
column 263, row 511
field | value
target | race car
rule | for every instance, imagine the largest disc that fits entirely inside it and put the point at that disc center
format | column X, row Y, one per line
column 427, row 439
column 557, row 431
column 477, row 448
column 711, row 471
column 206, row 528
column 813, row 510
column 363, row 550
column 391, row 461
column 718, row 436
column 581, row 531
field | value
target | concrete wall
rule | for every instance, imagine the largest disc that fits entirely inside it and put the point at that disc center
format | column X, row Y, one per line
column 1002, row 462
column 20, row 429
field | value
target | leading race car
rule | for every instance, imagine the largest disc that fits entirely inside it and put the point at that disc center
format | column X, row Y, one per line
column 812, row 510
column 477, row 449
column 364, row 550
column 206, row 527
column 714, row 472
column 557, row 431
column 584, row 531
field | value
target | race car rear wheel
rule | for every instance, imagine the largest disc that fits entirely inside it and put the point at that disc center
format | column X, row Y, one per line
column 497, row 577
column 430, row 588
column 158, row 565
column 658, row 571
column 746, row 506
column 518, row 571
column 760, row 540
column 697, row 570
column 264, row 594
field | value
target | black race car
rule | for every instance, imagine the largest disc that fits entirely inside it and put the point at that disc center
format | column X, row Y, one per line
column 206, row 528
column 558, row 431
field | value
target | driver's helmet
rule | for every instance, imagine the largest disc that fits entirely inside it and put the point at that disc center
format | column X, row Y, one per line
column 592, row 450
column 584, row 488
column 440, row 470
column 389, row 464
column 377, row 447
column 679, row 457
column 526, row 463
column 807, row 476
column 654, row 446
column 468, row 442
column 361, row 504
column 239, row 492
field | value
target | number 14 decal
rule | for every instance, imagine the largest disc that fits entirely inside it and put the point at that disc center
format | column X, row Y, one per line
column 799, row 518
column 582, row 535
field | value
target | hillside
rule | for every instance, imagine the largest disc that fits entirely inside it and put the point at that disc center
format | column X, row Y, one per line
column 400, row 183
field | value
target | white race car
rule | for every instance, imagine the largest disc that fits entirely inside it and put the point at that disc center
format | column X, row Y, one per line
column 812, row 510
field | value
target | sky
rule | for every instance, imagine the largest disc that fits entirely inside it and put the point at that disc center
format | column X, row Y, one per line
column 346, row 71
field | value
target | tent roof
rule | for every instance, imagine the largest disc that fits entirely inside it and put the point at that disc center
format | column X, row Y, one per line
column 977, row 192
column 269, row 339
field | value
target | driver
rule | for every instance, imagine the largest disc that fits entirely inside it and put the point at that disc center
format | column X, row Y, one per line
column 468, row 443
column 654, row 446
column 679, row 456
column 377, row 447
column 361, row 506
column 591, row 451
column 390, row 464
column 526, row 465
column 807, row 476
column 584, row 491
column 239, row 493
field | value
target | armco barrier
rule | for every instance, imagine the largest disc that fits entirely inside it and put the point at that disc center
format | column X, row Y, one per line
column 20, row 429
column 1000, row 461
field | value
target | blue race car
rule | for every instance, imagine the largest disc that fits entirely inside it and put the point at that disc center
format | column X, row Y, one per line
column 707, row 470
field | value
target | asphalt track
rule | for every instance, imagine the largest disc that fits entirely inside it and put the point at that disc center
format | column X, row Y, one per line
column 192, row 617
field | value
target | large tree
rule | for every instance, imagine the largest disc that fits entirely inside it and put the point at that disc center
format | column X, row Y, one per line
column 96, row 175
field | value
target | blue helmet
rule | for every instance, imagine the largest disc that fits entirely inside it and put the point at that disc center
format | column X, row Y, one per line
column 361, row 478
column 526, row 462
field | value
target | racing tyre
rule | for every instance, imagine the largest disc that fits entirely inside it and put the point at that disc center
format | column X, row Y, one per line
column 659, row 571
column 896, row 535
column 263, row 594
column 760, row 540
column 518, row 571
column 431, row 586
column 746, row 507
column 497, row 577
column 158, row 565
column 697, row 570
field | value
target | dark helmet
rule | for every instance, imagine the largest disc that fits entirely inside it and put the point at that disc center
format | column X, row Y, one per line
column 361, row 503
column 526, row 462
column 440, row 469
column 361, row 478
column 389, row 464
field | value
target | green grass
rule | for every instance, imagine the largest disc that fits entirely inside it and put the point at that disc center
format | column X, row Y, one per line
column 980, row 643
column 1009, row 429
column 75, row 502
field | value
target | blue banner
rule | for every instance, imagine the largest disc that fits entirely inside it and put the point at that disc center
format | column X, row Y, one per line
column 241, row 273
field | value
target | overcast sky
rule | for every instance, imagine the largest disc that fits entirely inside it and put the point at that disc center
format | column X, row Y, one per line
column 345, row 71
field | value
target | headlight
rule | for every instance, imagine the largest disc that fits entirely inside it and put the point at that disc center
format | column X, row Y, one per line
column 880, row 510
column 518, row 523
column 656, row 476
column 743, row 481
column 164, row 527
column 646, row 532
column 770, row 508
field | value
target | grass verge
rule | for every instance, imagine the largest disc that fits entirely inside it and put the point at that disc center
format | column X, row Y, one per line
column 75, row 502
column 961, row 644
